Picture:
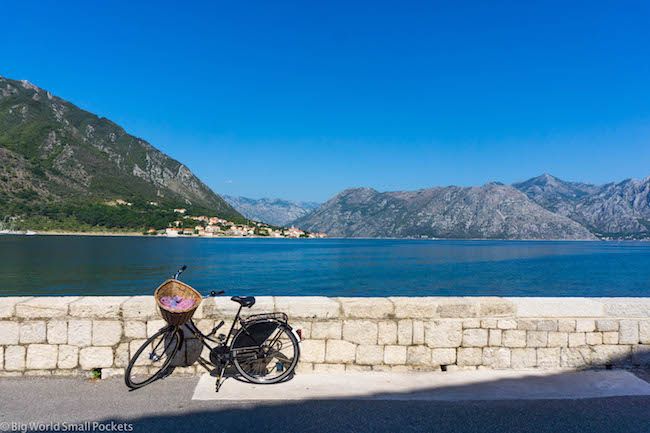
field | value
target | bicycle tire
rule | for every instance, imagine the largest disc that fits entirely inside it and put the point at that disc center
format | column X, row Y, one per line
column 294, row 362
column 177, row 340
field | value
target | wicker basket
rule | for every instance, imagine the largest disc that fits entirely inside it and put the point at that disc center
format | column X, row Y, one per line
column 171, row 288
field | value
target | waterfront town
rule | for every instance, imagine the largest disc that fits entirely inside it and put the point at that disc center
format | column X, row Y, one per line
column 204, row 226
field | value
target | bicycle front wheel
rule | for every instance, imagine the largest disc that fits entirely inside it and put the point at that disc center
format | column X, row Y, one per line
column 153, row 357
column 273, row 361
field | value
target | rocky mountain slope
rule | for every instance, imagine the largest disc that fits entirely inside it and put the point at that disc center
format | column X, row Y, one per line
column 272, row 211
column 614, row 209
column 52, row 151
column 492, row 211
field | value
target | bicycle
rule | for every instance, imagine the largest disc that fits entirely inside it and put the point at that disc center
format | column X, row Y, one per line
column 264, row 349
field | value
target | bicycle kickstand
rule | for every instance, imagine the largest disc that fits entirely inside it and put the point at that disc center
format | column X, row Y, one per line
column 220, row 378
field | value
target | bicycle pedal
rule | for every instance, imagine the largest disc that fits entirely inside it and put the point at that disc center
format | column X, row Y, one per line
column 221, row 337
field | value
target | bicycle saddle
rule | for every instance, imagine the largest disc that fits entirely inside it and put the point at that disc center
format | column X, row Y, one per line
column 245, row 301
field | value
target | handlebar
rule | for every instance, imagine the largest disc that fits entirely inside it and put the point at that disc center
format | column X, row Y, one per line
column 213, row 293
column 179, row 272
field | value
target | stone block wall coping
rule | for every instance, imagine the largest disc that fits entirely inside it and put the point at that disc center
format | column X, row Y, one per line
column 324, row 308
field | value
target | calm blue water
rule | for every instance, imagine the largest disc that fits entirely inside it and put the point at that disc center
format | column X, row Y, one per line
column 85, row 265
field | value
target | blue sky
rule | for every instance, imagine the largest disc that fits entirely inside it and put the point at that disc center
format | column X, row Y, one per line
column 301, row 100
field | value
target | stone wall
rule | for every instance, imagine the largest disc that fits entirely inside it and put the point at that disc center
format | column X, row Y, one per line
column 74, row 335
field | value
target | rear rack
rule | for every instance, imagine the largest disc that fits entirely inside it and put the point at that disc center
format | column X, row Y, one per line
column 273, row 316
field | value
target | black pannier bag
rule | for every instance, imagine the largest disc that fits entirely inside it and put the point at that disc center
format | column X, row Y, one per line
column 255, row 334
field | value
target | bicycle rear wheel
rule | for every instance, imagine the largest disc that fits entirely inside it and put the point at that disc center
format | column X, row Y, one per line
column 273, row 361
column 153, row 357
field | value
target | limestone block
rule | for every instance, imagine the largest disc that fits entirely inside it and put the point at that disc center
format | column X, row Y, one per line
column 489, row 323
column 418, row 332
column 527, row 325
column 557, row 307
column 9, row 333
column 32, row 332
column 329, row 368
column 107, row 373
column 577, row 339
column 611, row 355
column 445, row 333
column 414, row 307
column 523, row 358
column 57, row 332
column 644, row 331
column 8, row 305
column 357, row 368
column 308, row 307
column 471, row 323
column 467, row 356
column 575, row 357
column 458, row 308
column 394, row 355
column 405, row 332
column 628, row 332
column 327, row 330
column 304, row 367
column 558, row 339
column 641, row 355
column 606, row 325
column 80, row 332
column 475, row 337
column 367, row 308
column 15, row 358
column 313, row 351
column 585, row 325
column 221, row 308
column 339, row 351
column 387, row 333
column 122, row 355
column 97, row 307
column 360, row 331
column 418, row 355
column 548, row 357
column 496, row 307
column 443, row 356
column 95, row 357
column 68, row 356
column 369, row 354
column 496, row 357
column 134, row 346
column 495, row 337
column 514, row 338
column 44, row 307
column 627, row 307
column 507, row 324
column 536, row 339
column 106, row 332
column 594, row 338
column 567, row 325
column 135, row 329
column 547, row 325
column 153, row 326
column 304, row 327
column 610, row 337
column 140, row 307
column 41, row 356
column 38, row 373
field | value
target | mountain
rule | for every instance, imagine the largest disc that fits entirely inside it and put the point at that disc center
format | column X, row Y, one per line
column 614, row 209
column 492, row 211
column 272, row 211
column 53, row 152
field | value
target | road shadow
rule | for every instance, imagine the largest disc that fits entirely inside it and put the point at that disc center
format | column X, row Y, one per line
column 611, row 414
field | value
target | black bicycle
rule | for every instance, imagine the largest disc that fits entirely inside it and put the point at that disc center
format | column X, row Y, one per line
column 263, row 348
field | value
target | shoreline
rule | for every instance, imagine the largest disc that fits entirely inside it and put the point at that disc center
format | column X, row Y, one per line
column 137, row 234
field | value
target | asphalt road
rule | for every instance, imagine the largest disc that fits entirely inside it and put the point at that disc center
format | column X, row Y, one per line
column 167, row 405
